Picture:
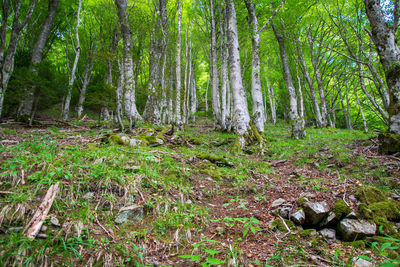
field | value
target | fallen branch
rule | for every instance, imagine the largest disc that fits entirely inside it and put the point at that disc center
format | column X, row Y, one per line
column 33, row 227
column 287, row 228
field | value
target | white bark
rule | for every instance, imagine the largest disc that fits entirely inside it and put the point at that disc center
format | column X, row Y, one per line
column 241, row 117
column 256, row 93
column 300, row 96
column 297, row 125
column 271, row 97
column 224, row 67
column 178, row 117
column 129, row 82
column 67, row 103
column 361, row 108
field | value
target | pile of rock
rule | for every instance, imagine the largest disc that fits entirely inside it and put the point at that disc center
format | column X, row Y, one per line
column 339, row 221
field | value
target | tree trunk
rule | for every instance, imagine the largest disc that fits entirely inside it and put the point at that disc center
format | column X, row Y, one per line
column 361, row 108
column 300, row 96
column 215, row 96
column 67, row 103
column 7, row 58
column 86, row 79
column 256, row 93
column 129, row 83
column 271, row 97
column 297, row 126
column 318, row 118
column 178, row 117
column 224, row 66
column 241, row 117
column 386, row 44
column 118, row 99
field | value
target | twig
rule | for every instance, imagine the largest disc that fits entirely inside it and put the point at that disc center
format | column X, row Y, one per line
column 289, row 232
column 102, row 227
column 344, row 189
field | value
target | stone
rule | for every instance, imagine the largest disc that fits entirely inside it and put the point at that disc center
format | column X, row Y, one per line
column 298, row 217
column 315, row 211
column 15, row 229
column 130, row 213
column 358, row 262
column 157, row 142
column 329, row 235
column 278, row 202
column 54, row 221
column 350, row 229
column 329, row 220
column 43, row 228
column 283, row 211
column 352, row 215
column 41, row 236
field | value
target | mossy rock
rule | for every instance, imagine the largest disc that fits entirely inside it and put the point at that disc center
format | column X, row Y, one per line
column 91, row 146
column 219, row 161
column 389, row 143
column 116, row 139
column 385, row 209
column 341, row 209
column 167, row 130
column 280, row 226
column 301, row 201
column 195, row 141
column 369, row 195
column 307, row 233
column 365, row 211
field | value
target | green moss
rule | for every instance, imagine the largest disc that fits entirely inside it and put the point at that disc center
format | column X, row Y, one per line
column 115, row 138
column 389, row 142
column 236, row 147
column 341, row 209
column 195, row 141
column 369, row 194
column 301, row 201
column 280, row 226
column 385, row 209
column 166, row 129
column 307, row 233
column 365, row 211
column 220, row 161
column 91, row 146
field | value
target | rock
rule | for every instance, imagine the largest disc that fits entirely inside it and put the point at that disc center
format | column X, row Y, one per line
column 329, row 220
column 308, row 195
column 396, row 196
column 278, row 202
column 41, row 236
column 358, row 262
column 43, row 228
column 315, row 211
column 54, row 221
column 353, row 198
column 15, row 229
column 350, row 229
column 283, row 211
column 157, row 142
column 329, row 235
column 129, row 213
column 352, row 215
column 298, row 217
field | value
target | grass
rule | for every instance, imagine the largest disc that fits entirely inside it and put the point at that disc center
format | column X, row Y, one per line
column 172, row 184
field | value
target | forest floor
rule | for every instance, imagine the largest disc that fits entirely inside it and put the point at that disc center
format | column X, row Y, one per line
column 201, row 205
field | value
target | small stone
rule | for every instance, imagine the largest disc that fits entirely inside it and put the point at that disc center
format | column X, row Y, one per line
column 362, row 263
column 42, row 236
column 43, row 228
column 15, row 229
column 54, row 221
column 329, row 235
column 353, row 198
column 308, row 195
column 129, row 213
column 352, row 215
column 157, row 142
column 282, row 211
column 278, row 202
column 350, row 229
column 315, row 211
column 396, row 196
column 298, row 217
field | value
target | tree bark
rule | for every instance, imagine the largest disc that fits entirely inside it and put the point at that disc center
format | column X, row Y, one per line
column 67, row 103
column 271, row 97
column 297, row 126
column 224, row 66
column 389, row 54
column 86, row 79
column 241, row 117
column 256, row 93
column 215, row 96
column 178, row 116
column 129, row 82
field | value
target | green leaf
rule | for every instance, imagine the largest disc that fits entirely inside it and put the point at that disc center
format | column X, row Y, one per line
column 212, row 252
column 214, row 261
column 192, row 257
column 365, row 258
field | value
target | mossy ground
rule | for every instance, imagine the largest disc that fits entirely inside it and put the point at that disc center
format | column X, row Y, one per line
column 189, row 187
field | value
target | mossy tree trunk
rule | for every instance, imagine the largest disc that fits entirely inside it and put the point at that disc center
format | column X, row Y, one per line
column 384, row 39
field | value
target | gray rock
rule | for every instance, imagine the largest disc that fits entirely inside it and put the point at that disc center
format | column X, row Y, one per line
column 298, row 217
column 15, row 229
column 329, row 220
column 41, row 236
column 350, row 229
column 54, row 221
column 157, row 142
column 358, row 262
column 329, row 235
column 43, row 228
column 278, row 202
column 307, row 195
column 352, row 215
column 283, row 211
column 129, row 213
column 315, row 211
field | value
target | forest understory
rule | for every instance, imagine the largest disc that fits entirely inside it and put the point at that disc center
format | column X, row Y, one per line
column 192, row 201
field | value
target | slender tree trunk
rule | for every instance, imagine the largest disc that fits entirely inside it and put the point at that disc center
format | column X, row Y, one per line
column 7, row 58
column 224, row 66
column 300, row 97
column 36, row 58
column 129, row 82
column 313, row 94
column 120, row 87
column 178, row 117
column 297, row 126
column 349, row 126
column 67, row 103
column 86, row 78
column 256, row 93
column 271, row 97
column 215, row 96
column 193, row 99
column 241, row 117
column 361, row 110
